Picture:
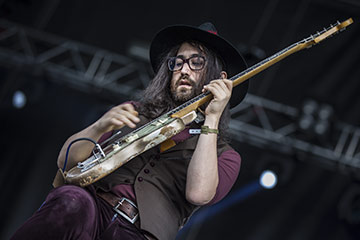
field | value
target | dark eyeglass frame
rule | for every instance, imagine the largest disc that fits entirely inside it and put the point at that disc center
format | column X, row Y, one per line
column 187, row 60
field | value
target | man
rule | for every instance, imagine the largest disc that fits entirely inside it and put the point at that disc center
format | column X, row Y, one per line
column 153, row 195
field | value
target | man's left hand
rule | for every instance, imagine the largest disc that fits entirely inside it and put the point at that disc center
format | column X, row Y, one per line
column 221, row 90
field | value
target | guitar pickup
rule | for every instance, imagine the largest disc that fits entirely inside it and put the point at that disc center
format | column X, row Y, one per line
column 131, row 138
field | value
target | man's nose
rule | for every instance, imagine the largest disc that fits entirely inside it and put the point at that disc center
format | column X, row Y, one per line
column 186, row 68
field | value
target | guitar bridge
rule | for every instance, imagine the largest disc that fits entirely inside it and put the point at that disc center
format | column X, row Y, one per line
column 93, row 160
column 89, row 163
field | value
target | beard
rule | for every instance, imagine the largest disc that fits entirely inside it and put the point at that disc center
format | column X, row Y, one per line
column 181, row 94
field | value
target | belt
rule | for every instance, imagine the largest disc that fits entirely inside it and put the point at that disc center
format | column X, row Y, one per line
column 121, row 205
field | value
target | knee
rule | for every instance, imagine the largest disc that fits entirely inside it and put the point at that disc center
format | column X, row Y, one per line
column 71, row 201
column 67, row 211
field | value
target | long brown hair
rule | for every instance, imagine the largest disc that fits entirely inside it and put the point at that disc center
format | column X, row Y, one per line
column 157, row 98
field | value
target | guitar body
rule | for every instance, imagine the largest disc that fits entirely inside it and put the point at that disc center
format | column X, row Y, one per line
column 130, row 146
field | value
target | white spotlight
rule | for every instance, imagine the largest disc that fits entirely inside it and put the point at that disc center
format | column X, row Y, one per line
column 19, row 99
column 268, row 179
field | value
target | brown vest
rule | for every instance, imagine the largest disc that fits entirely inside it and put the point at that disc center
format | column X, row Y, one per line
column 159, row 181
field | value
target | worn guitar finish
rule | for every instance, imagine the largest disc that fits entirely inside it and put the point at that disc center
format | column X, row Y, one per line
column 121, row 150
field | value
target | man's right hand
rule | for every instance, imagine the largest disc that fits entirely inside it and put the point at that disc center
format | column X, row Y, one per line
column 118, row 117
column 115, row 118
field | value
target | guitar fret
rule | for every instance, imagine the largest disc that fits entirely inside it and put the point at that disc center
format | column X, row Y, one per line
column 191, row 101
column 263, row 62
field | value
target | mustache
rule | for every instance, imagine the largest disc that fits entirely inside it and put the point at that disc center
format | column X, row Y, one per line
column 187, row 79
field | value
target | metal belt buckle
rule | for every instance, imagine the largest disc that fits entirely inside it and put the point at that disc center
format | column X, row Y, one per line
column 132, row 220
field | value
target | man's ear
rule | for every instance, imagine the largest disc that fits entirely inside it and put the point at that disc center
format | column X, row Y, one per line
column 223, row 75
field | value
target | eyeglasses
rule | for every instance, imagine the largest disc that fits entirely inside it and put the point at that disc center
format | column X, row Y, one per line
column 195, row 63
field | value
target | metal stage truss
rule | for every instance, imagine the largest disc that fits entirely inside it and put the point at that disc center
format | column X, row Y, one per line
column 77, row 64
column 257, row 121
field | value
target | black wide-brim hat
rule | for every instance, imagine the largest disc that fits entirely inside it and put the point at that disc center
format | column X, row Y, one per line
column 206, row 34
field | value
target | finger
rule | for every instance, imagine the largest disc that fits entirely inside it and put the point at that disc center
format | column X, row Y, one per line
column 229, row 84
column 128, row 110
column 130, row 115
column 217, row 94
column 125, row 107
column 221, row 87
column 225, row 83
column 226, row 86
column 117, row 123
column 126, row 121
column 129, row 107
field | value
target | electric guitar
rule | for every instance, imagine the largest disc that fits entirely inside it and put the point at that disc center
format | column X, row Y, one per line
column 117, row 150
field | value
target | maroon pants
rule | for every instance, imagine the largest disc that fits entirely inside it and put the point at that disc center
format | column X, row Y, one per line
column 72, row 212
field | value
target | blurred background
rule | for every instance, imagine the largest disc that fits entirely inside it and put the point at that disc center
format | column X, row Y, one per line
column 64, row 63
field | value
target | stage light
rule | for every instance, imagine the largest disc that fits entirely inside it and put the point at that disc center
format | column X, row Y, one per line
column 326, row 111
column 316, row 119
column 321, row 127
column 274, row 170
column 306, row 122
column 307, row 119
column 19, row 99
column 268, row 179
column 310, row 107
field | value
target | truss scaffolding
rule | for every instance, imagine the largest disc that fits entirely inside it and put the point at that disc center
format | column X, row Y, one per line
column 80, row 65
column 257, row 121
column 266, row 123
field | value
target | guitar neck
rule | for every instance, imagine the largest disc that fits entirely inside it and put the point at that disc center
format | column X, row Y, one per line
column 196, row 102
column 239, row 78
column 199, row 100
column 264, row 64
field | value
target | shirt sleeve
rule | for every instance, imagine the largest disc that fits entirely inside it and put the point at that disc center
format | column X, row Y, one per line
column 105, row 136
column 228, row 169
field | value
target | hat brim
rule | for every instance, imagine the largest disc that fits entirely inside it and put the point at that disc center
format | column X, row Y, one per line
column 171, row 36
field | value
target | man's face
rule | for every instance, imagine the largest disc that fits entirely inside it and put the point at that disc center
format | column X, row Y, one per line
column 186, row 83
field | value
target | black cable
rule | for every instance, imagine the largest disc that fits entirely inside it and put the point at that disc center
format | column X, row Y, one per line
column 72, row 142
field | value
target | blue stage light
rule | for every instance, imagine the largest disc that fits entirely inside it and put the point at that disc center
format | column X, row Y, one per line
column 19, row 99
column 268, row 179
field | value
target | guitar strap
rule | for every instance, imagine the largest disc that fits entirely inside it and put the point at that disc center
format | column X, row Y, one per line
column 166, row 145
